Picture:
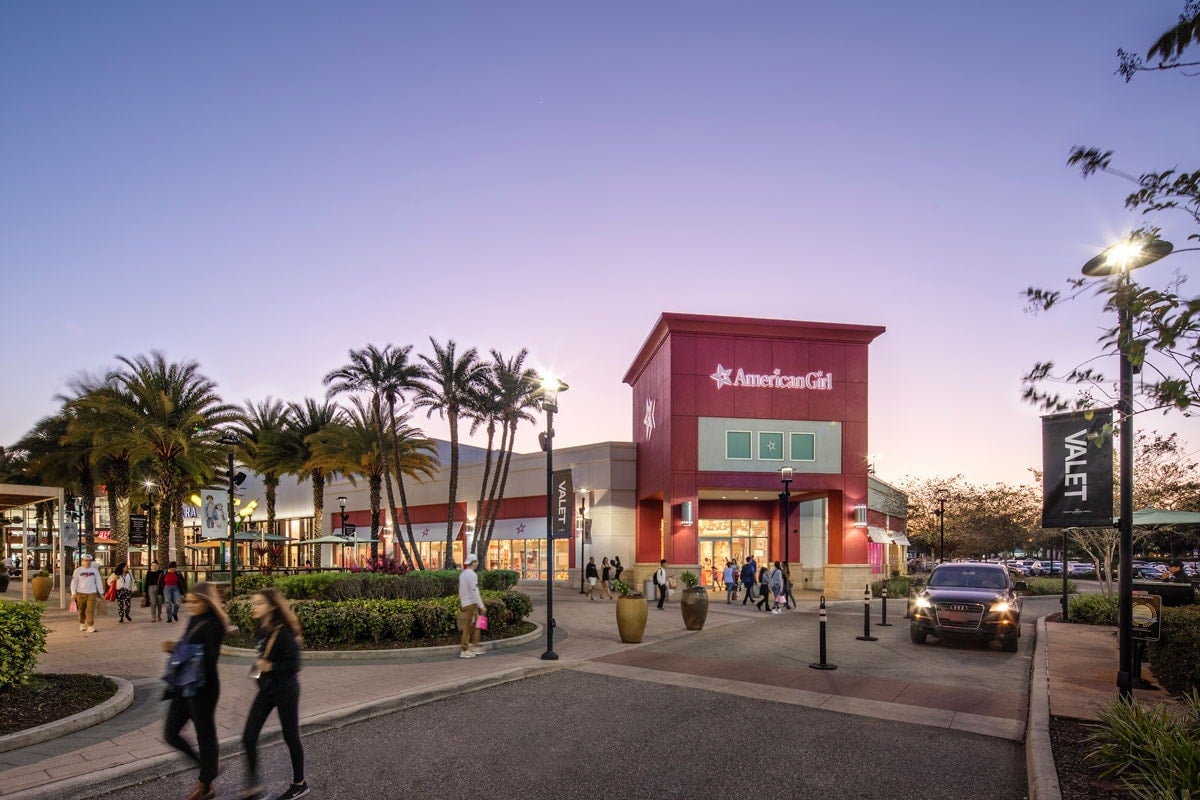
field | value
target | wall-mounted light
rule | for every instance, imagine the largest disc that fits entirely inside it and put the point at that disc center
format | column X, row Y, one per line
column 688, row 513
column 860, row 516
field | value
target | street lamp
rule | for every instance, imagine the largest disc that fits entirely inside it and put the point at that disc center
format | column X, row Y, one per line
column 582, row 528
column 231, row 440
column 941, row 495
column 342, row 504
column 551, row 387
column 150, row 487
column 785, row 497
column 1117, row 262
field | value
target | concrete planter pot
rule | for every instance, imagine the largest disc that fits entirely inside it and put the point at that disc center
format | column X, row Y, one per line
column 41, row 586
column 631, row 618
column 3, row 583
column 694, row 605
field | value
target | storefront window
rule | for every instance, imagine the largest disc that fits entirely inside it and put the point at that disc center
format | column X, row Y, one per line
column 804, row 447
column 724, row 540
column 527, row 557
column 770, row 446
column 737, row 445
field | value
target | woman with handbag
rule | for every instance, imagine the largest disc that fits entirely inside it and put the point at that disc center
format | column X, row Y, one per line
column 275, row 669
column 198, row 702
column 120, row 588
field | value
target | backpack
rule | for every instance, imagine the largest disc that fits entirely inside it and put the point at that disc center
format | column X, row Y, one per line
column 184, row 675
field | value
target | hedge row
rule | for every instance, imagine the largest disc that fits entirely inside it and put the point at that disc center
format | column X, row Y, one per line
column 1093, row 609
column 330, row 623
column 22, row 638
column 1047, row 586
column 370, row 585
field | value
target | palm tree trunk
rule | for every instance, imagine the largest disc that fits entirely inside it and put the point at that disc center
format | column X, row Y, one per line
column 120, row 530
column 318, row 496
column 503, row 479
column 389, row 464
column 374, row 483
column 483, row 539
column 479, row 508
column 448, row 558
column 416, row 553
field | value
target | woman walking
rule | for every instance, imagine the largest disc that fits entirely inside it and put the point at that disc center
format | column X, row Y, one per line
column 277, row 664
column 151, row 592
column 764, row 590
column 731, row 583
column 206, row 628
column 606, row 578
column 788, row 586
column 172, row 585
column 775, row 579
column 617, row 568
column 122, row 580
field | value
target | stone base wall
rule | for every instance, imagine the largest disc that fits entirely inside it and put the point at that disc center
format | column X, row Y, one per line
column 846, row 581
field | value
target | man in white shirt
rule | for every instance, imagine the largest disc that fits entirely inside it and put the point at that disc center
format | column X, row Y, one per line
column 470, row 603
column 87, row 586
column 660, row 583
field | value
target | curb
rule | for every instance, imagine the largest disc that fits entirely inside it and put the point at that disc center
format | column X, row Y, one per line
column 121, row 700
column 397, row 654
column 1041, row 774
column 83, row 787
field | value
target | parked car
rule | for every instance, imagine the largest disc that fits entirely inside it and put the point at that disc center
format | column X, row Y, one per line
column 1079, row 570
column 969, row 599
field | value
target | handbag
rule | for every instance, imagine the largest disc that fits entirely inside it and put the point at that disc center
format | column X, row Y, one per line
column 111, row 594
column 481, row 622
column 255, row 672
column 184, row 676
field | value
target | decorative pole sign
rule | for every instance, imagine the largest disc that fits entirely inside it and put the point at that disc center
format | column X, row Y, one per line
column 1077, row 469
column 564, row 491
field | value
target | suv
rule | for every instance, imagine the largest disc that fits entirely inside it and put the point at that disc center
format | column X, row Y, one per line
column 969, row 599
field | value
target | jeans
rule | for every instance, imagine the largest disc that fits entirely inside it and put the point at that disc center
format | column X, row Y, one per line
column 156, row 602
column 171, row 594
column 286, row 699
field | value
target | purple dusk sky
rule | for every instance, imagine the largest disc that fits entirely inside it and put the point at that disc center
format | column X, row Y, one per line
column 263, row 186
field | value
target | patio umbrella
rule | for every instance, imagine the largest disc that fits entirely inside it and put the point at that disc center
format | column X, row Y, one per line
column 324, row 540
column 1153, row 517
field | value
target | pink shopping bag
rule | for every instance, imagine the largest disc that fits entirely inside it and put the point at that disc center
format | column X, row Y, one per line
column 481, row 623
column 74, row 608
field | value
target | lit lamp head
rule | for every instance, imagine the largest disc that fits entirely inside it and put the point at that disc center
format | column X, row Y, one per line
column 785, row 475
column 229, row 439
column 1133, row 252
column 551, row 388
column 342, row 503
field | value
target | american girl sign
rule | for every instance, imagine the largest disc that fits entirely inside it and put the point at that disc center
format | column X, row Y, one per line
column 775, row 379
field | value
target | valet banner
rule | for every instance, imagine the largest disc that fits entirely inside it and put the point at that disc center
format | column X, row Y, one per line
column 1077, row 469
column 563, row 499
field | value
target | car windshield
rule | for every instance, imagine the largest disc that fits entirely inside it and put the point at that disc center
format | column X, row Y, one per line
column 968, row 578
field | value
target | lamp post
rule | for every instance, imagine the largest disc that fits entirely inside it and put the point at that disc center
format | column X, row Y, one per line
column 342, row 504
column 582, row 527
column 785, row 497
column 1117, row 262
column 550, row 389
column 150, row 487
column 942, row 495
column 231, row 440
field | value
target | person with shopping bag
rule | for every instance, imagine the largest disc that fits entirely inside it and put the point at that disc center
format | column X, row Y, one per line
column 471, row 604
column 87, row 587
column 120, row 588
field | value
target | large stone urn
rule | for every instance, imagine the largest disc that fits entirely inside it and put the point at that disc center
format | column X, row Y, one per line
column 694, row 605
column 41, row 586
column 631, row 617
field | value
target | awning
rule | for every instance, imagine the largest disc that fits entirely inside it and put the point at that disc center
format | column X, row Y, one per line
column 525, row 528
column 900, row 539
column 879, row 535
column 429, row 532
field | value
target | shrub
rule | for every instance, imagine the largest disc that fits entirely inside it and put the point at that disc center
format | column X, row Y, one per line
column 498, row 580
column 689, row 579
column 250, row 582
column 22, row 638
column 1153, row 750
column 1175, row 657
column 1093, row 609
column 896, row 586
column 1044, row 586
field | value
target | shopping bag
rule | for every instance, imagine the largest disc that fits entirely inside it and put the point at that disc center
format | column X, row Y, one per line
column 74, row 607
column 481, row 622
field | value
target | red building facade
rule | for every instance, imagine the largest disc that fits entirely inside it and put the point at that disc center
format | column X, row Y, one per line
column 720, row 405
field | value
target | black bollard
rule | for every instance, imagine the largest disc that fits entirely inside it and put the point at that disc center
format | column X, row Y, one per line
column 883, row 622
column 867, row 637
column 823, row 664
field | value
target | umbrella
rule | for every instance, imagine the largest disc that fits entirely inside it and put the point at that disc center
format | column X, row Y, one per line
column 324, row 540
column 1151, row 517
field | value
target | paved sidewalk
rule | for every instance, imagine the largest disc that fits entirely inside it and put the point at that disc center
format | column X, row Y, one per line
column 586, row 639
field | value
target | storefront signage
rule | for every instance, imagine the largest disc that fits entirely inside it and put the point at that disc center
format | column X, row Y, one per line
column 1077, row 464
column 773, row 380
column 1147, row 617
column 139, row 529
column 564, row 492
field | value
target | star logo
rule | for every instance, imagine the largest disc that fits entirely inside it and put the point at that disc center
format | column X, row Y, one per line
column 648, row 420
column 771, row 447
column 521, row 528
column 721, row 376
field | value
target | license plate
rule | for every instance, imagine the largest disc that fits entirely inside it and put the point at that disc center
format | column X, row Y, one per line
column 955, row 616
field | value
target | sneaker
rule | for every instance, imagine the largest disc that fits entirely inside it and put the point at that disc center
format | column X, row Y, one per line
column 466, row 654
column 294, row 791
column 476, row 649
column 83, row 627
column 91, row 629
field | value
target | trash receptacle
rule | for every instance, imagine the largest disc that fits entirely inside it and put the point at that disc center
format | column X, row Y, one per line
column 648, row 589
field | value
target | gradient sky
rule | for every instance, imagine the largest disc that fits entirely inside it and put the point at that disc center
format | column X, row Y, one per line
column 264, row 186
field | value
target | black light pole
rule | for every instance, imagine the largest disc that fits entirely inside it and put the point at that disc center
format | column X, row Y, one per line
column 149, row 522
column 550, row 389
column 942, row 496
column 342, row 504
column 582, row 529
column 1117, row 262
column 785, row 475
column 231, row 440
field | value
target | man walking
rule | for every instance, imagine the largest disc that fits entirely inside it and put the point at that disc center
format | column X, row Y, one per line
column 592, row 576
column 87, row 587
column 470, row 603
column 660, row 583
column 749, row 576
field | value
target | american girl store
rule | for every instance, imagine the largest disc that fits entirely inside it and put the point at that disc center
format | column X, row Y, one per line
column 729, row 413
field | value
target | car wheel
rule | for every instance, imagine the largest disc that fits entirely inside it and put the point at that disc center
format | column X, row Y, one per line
column 917, row 635
column 1010, row 644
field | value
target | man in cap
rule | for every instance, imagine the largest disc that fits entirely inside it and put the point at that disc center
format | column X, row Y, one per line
column 87, row 586
column 470, row 603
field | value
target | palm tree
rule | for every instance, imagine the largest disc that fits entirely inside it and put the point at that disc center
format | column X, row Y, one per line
column 446, row 386
column 265, row 448
column 351, row 447
column 517, row 392
column 58, row 461
column 384, row 374
column 176, row 412
column 304, row 421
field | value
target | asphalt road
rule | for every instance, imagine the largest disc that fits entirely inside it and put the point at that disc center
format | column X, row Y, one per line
column 579, row 735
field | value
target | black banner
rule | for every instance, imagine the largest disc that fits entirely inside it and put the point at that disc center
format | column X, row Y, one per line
column 563, row 502
column 1077, row 469
column 139, row 530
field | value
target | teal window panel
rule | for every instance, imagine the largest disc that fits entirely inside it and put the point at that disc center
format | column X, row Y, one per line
column 804, row 446
column 737, row 445
column 770, row 446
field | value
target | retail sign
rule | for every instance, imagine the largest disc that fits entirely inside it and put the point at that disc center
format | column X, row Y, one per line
column 1077, row 464
column 775, row 379
column 139, row 529
column 564, row 491
column 1147, row 617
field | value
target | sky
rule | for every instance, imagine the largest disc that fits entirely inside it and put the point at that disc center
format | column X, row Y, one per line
column 262, row 187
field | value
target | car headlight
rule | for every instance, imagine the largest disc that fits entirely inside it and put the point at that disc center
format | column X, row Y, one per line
column 923, row 602
column 1001, row 606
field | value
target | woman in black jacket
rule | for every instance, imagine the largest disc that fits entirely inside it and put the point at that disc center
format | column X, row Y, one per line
column 277, row 666
column 764, row 590
column 206, row 627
